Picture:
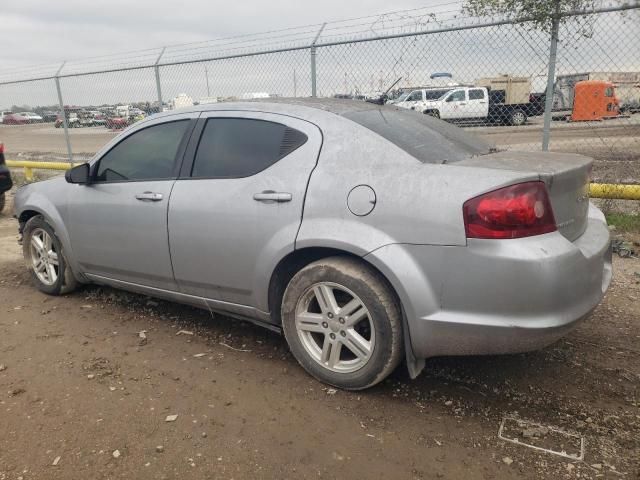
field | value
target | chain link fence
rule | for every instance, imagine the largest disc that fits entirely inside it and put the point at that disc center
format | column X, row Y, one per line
column 489, row 75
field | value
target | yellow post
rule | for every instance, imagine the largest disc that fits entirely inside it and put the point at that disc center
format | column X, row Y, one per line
column 28, row 174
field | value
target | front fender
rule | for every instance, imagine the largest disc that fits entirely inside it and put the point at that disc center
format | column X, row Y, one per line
column 35, row 201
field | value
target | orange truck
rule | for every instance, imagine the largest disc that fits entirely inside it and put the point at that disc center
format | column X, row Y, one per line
column 594, row 100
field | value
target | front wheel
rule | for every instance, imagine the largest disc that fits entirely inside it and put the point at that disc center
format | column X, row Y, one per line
column 343, row 323
column 432, row 113
column 44, row 256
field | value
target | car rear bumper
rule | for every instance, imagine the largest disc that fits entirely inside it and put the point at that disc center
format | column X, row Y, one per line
column 498, row 296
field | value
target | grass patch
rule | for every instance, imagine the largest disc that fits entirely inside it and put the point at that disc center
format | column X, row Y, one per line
column 624, row 222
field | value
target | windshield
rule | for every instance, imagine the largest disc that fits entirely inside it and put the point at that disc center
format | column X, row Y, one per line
column 403, row 97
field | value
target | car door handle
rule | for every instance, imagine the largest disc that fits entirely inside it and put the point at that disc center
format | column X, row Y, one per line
column 462, row 103
column 149, row 197
column 271, row 196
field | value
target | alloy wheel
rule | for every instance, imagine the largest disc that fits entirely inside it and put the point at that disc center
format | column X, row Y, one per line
column 44, row 258
column 518, row 118
column 335, row 327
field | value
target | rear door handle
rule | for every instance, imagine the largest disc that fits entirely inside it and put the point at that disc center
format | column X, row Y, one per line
column 149, row 197
column 269, row 196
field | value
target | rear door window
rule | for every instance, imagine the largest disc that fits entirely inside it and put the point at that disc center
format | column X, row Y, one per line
column 241, row 147
column 476, row 94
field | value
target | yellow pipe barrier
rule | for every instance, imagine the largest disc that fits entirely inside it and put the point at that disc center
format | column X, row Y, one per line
column 614, row 191
column 596, row 190
column 29, row 166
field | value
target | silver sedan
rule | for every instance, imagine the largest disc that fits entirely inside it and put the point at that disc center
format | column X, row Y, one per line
column 366, row 234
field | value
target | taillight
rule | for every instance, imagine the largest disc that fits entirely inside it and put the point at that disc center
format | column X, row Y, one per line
column 1, row 148
column 516, row 211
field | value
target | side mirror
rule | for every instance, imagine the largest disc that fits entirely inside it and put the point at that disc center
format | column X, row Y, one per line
column 78, row 174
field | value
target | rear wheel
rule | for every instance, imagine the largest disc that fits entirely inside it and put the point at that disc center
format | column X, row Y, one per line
column 2, row 201
column 45, row 258
column 518, row 118
column 342, row 323
column 432, row 113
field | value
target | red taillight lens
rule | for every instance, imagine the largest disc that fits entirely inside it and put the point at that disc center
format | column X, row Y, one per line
column 1, row 148
column 516, row 211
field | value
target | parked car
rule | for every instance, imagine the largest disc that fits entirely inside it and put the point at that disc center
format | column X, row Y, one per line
column 32, row 117
column 136, row 112
column 15, row 119
column 416, row 240
column 117, row 122
column 97, row 118
column 3, row 114
column 5, row 178
column 73, row 120
column 90, row 118
column 49, row 117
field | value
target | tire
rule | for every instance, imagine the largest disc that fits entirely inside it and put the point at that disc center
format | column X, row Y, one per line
column 365, row 351
column 432, row 113
column 517, row 118
column 3, row 201
column 61, row 280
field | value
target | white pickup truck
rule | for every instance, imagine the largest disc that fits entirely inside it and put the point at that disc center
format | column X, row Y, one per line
column 463, row 104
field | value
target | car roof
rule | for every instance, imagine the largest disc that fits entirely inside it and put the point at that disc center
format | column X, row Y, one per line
column 425, row 138
column 336, row 106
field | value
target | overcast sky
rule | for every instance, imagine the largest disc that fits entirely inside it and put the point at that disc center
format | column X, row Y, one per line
column 48, row 31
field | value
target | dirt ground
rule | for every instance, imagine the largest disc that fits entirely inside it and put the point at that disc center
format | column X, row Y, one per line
column 80, row 389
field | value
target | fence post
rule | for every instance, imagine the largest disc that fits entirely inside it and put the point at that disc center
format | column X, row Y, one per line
column 64, row 116
column 156, row 67
column 313, row 61
column 551, row 74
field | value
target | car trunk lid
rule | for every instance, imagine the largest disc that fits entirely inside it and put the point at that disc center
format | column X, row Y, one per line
column 566, row 176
